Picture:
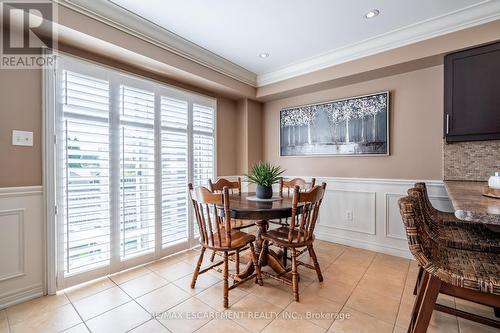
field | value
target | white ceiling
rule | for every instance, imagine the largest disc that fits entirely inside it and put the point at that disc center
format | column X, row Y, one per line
column 301, row 36
column 289, row 30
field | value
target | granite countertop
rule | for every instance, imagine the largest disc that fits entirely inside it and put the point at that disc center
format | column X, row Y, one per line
column 470, row 204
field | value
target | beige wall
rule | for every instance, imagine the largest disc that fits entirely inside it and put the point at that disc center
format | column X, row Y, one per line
column 249, row 135
column 20, row 108
column 415, row 130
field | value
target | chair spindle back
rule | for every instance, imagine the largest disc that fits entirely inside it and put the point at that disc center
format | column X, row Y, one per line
column 289, row 185
column 215, row 230
column 302, row 223
column 218, row 186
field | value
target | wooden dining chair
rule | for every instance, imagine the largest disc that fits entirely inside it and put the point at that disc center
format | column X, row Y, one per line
column 286, row 189
column 469, row 275
column 218, row 186
column 212, row 213
column 287, row 186
column 299, row 234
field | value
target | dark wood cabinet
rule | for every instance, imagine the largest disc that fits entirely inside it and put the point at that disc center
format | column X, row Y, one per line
column 472, row 94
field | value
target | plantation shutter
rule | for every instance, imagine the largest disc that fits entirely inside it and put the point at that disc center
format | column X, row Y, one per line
column 85, row 172
column 203, row 144
column 174, row 171
column 137, row 172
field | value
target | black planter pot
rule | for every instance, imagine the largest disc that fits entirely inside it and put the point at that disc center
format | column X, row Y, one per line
column 264, row 192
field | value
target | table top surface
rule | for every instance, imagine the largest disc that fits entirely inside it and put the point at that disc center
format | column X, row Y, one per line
column 470, row 204
column 242, row 208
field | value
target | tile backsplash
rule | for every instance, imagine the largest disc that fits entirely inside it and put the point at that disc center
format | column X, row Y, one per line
column 474, row 160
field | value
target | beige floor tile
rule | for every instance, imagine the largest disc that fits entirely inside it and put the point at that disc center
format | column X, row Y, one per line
column 443, row 323
column 475, row 308
column 162, row 263
column 143, row 284
column 152, row 326
column 319, row 311
column 272, row 292
column 292, row 326
column 162, row 299
column 214, row 296
column 254, row 312
column 390, row 287
column 106, row 300
column 4, row 323
column 20, row 312
column 130, row 274
column 222, row 326
column 345, row 272
column 204, row 281
column 467, row 326
column 80, row 328
column 187, row 317
column 88, row 289
column 175, row 270
column 53, row 320
column 119, row 320
column 391, row 261
column 358, row 322
column 404, row 312
column 381, row 306
column 332, row 290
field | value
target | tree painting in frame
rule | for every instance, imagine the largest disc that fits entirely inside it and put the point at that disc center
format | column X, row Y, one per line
column 356, row 126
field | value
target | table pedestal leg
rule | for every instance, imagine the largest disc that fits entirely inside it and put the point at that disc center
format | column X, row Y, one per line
column 270, row 258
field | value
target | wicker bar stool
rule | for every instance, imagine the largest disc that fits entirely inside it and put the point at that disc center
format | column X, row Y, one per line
column 470, row 275
column 445, row 228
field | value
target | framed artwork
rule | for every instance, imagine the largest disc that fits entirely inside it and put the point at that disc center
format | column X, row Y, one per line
column 356, row 126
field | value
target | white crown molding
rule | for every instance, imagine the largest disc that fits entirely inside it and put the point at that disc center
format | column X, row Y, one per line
column 480, row 13
column 107, row 12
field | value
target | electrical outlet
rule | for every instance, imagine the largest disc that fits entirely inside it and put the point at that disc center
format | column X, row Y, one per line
column 348, row 215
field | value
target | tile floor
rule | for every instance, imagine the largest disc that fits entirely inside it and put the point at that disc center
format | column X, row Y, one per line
column 370, row 292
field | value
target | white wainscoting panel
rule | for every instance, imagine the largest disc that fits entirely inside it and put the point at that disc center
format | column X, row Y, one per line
column 361, row 205
column 376, row 223
column 21, row 244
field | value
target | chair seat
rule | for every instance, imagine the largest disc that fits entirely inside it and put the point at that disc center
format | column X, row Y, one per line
column 279, row 236
column 469, row 236
column 238, row 240
column 468, row 269
column 464, row 235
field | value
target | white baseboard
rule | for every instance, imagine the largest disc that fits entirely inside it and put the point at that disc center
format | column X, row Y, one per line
column 393, row 251
column 21, row 295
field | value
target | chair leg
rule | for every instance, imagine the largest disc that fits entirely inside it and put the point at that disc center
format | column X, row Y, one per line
column 256, row 264
column 419, row 279
column 237, row 262
column 197, row 269
column 226, row 282
column 212, row 258
column 295, row 275
column 427, row 307
column 314, row 258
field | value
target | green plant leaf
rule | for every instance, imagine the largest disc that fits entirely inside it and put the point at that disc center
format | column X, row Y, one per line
column 265, row 174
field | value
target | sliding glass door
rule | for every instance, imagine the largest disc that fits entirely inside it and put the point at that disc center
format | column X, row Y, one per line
column 125, row 150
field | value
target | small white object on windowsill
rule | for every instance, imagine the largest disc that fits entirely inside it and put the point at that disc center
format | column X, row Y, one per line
column 494, row 181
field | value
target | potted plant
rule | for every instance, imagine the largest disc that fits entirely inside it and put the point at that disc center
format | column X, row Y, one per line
column 264, row 175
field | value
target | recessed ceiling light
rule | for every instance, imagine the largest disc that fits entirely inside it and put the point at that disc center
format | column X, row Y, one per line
column 372, row 13
column 264, row 55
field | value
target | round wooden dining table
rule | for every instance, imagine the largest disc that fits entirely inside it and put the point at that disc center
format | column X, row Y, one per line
column 259, row 213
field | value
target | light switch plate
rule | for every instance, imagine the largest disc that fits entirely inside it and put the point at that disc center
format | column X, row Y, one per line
column 22, row 138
